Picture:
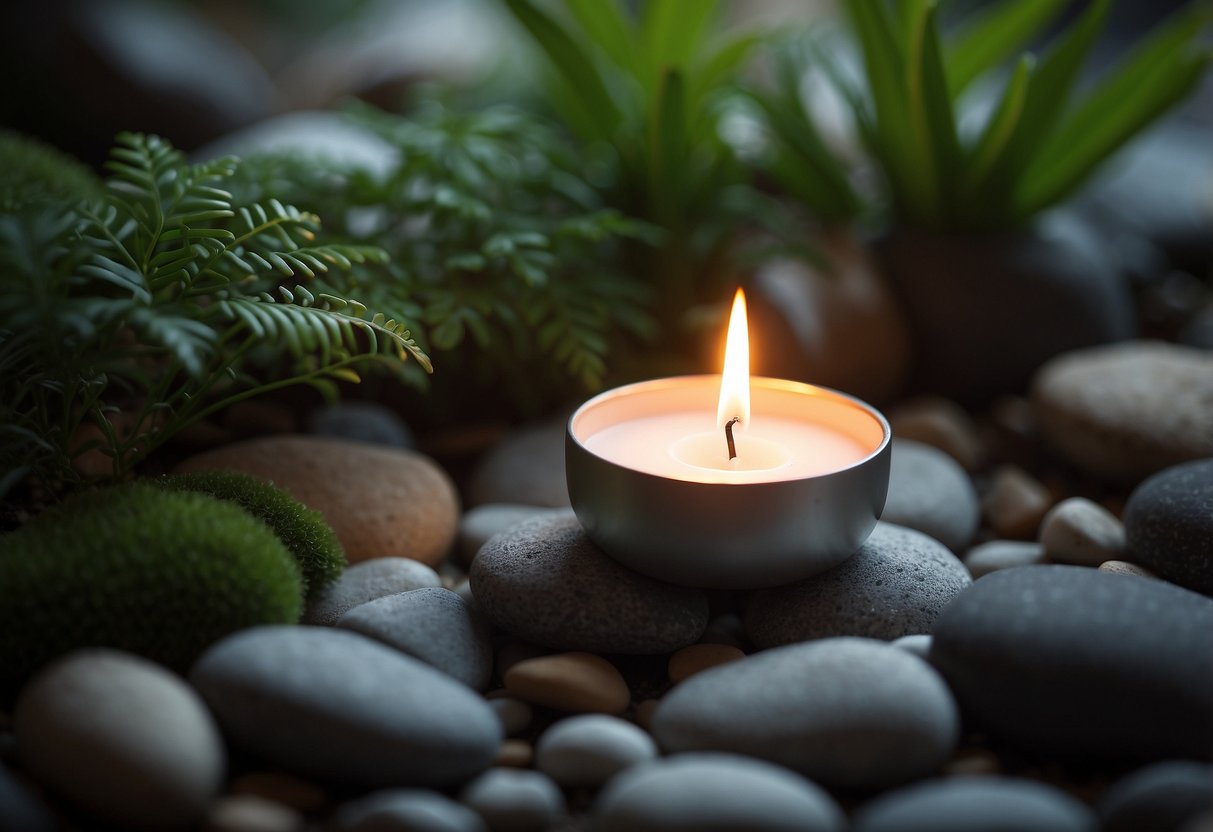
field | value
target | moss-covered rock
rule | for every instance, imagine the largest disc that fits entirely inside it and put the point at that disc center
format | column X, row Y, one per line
column 160, row 573
column 34, row 173
column 304, row 531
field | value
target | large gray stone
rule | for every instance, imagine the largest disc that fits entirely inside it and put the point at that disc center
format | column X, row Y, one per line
column 845, row 712
column 1069, row 660
column 1169, row 524
column 546, row 582
column 705, row 792
column 930, row 492
column 967, row 804
column 895, row 585
column 338, row 706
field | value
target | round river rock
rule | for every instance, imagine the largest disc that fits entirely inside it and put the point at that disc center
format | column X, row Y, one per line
column 967, row 804
column 546, row 582
column 366, row 581
column 1169, row 524
column 930, row 492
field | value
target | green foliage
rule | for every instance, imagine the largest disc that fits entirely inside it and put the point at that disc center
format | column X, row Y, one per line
column 33, row 173
column 126, row 317
column 303, row 531
column 650, row 87
column 1040, row 142
column 138, row 568
column 499, row 248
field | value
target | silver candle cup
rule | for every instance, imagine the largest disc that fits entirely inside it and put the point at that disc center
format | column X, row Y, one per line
column 728, row 535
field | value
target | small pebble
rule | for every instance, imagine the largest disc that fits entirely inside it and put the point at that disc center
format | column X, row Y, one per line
column 587, row 751
column 406, row 810
column 973, row 761
column 249, row 813
column 644, row 713
column 1083, row 533
column 725, row 628
column 918, row 644
column 515, row 715
column 362, row 422
column 514, row 800
column 366, row 581
column 942, row 424
column 1123, row 567
column 576, row 682
column 283, row 788
column 515, row 754
column 1002, row 554
column 1016, row 503
column 690, row 660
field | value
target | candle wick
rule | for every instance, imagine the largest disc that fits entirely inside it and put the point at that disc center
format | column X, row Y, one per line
column 728, row 436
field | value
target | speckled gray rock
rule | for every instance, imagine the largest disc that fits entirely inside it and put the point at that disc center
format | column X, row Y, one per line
column 479, row 524
column 967, row 804
column 546, row 582
column 1169, row 524
column 20, row 809
column 122, row 738
column 338, row 706
column 895, row 585
column 1158, row 798
column 930, row 492
column 527, row 466
column 1002, row 554
column 362, row 422
column 589, row 750
column 1128, row 410
column 365, row 582
column 1050, row 657
column 845, row 712
column 431, row 624
column 1083, row 533
column 514, row 800
column 714, row 793
column 406, row 810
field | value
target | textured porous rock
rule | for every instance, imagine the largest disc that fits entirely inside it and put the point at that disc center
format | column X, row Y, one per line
column 845, row 712
column 1072, row 661
column 967, row 804
column 930, row 492
column 338, row 706
column 366, row 581
column 525, row 467
column 478, row 525
column 546, row 582
column 694, row 792
column 1169, row 524
column 1126, row 411
column 122, row 738
column 895, row 585
column 380, row 501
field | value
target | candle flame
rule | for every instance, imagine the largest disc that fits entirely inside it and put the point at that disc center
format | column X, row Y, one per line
column 734, row 400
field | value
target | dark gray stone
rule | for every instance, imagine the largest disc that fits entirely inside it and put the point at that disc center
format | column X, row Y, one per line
column 362, row 422
column 930, row 492
column 1158, row 798
column 845, row 712
column 1169, row 524
column 431, row 624
column 366, row 581
column 967, row 804
column 514, row 800
column 546, row 582
column 525, row 467
column 406, row 810
column 589, row 749
column 1073, row 661
column 338, row 706
column 703, row 792
column 895, row 585
column 20, row 810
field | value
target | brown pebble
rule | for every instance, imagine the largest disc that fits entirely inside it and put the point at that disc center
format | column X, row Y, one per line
column 1015, row 503
column 645, row 711
column 575, row 682
column 1123, row 567
column 514, row 651
column 940, row 423
column 250, row 813
column 688, row 661
column 282, row 788
column 515, row 754
column 973, row 761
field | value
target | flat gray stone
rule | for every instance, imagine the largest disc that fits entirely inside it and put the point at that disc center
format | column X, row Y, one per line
column 546, row 582
column 526, row 467
column 930, row 492
column 1161, row 797
column 338, row 706
column 123, row 738
column 406, row 810
column 1002, row 554
column 967, row 804
column 895, row 585
column 588, row 750
column 1169, row 524
column 431, row 624
column 514, row 800
column 366, row 581
column 845, row 712
column 1073, row 661
column 696, row 792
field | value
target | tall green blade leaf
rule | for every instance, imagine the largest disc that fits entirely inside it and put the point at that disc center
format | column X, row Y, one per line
column 607, row 25
column 668, row 147
column 934, row 125
column 988, row 156
column 674, row 30
column 993, row 34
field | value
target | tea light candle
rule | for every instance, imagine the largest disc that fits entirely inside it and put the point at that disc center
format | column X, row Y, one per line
column 727, row 481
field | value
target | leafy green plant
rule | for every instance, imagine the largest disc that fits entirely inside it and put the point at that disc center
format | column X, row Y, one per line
column 128, row 316
column 135, row 567
column 649, row 88
column 1040, row 142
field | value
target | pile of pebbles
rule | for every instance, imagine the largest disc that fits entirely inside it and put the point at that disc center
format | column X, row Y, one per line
column 1024, row 642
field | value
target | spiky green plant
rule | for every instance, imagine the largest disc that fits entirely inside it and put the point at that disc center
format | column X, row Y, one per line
column 126, row 317
column 1041, row 141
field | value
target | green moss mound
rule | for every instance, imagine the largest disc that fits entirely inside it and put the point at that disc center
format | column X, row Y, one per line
column 304, row 532
column 33, row 173
column 135, row 567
